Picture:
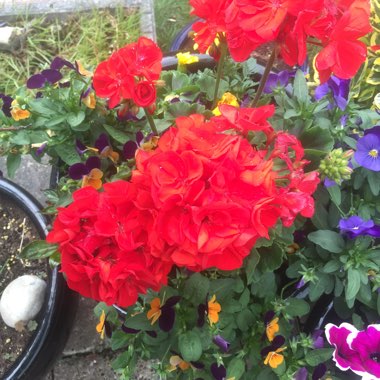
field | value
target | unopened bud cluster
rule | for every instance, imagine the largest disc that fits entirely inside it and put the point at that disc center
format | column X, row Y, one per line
column 336, row 165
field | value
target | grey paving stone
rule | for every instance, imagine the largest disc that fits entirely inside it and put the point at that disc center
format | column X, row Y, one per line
column 32, row 176
column 84, row 367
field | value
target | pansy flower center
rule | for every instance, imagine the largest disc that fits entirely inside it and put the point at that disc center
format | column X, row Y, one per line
column 374, row 153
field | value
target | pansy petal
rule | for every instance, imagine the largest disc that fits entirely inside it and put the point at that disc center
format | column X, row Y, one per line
column 36, row 81
column 102, row 142
column 166, row 321
column 92, row 163
column 57, row 63
column 129, row 150
column 51, row 75
column 77, row 171
column 219, row 372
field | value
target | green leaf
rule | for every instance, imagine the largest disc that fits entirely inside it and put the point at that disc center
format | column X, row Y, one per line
column 335, row 194
column 323, row 284
column 20, row 138
column 316, row 357
column 316, row 139
column 329, row 240
column 297, row 307
column 67, row 153
column 252, row 262
column 378, row 303
column 270, row 258
column 122, row 361
column 196, row 288
column 116, row 134
column 38, row 249
column 190, row 346
column 353, row 283
column 265, row 286
column 13, row 163
column 75, row 119
column 373, row 179
column 139, row 322
column 320, row 218
column 55, row 121
column 179, row 80
column 223, row 288
column 236, row 368
column 332, row 266
column 245, row 320
column 119, row 339
column 300, row 89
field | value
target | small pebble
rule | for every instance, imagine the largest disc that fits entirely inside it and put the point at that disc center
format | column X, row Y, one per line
column 22, row 299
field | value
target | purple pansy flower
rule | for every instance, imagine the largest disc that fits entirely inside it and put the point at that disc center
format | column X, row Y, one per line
column 277, row 342
column 130, row 147
column 275, row 80
column 339, row 89
column 79, row 170
column 41, row 149
column 355, row 226
column 356, row 350
column 318, row 341
column 300, row 283
column 219, row 372
column 46, row 76
column 57, row 63
column 167, row 317
column 80, row 147
column 368, row 149
column 221, row 343
column 129, row 330
column 301, row 374
column 319, row 372
column 7, row 104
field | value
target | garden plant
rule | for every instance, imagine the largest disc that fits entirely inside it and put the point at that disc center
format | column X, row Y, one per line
column 226, row 219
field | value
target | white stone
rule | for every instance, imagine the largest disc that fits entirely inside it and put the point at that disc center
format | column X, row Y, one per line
column 22, row 299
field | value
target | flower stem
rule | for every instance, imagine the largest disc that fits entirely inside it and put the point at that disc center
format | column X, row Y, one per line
column 219, row 72
column 265, row 76
column 151, row 122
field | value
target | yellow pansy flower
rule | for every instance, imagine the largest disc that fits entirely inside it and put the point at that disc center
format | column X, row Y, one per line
column 227, row 98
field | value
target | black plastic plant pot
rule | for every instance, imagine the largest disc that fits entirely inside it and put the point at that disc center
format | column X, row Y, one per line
column 60, row 305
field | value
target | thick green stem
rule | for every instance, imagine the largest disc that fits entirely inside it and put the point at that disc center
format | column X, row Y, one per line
column 219, row 72
column 151, row 122
column 265, row 76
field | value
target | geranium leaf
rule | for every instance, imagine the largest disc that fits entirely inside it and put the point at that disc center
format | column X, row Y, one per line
column 38, row 249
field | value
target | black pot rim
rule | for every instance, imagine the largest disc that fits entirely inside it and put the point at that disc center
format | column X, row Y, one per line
column 44, row 346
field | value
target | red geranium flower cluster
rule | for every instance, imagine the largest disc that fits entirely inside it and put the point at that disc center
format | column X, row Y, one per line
column 201, row 199
column 334, row 25
column 102, row 240
column 213, row 195
column 130, row 73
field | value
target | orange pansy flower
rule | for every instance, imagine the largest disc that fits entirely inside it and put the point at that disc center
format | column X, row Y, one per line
column 272, row 328
column 214, row 309
column 100, row 327
column 274, row 358
column 176, row 361
column 155, row 310
column 93, row 179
